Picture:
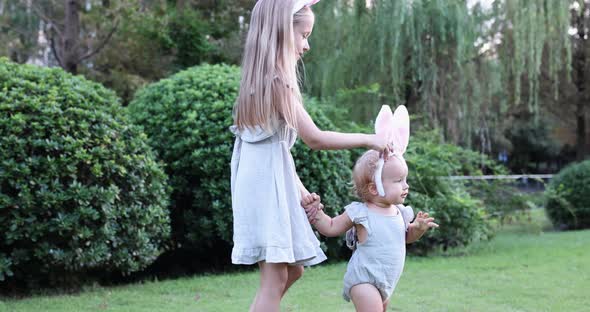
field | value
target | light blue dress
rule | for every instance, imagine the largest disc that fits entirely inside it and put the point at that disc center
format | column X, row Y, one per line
column 268, row 221
column 380, row 259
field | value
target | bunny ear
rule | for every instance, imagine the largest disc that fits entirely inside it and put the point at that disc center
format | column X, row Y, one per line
column 400, row 128
column 384, row 121
column 383, row 124
column 396, row 126
column 299, row 4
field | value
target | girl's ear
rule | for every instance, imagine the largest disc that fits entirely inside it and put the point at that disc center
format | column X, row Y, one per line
column 400, row 130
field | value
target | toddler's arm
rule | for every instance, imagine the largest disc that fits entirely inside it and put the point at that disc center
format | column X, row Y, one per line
column 420, row 225
column 329, row 226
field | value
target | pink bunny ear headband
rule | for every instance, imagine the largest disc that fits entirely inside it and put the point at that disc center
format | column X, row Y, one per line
column 396, row 127
column 299, row 4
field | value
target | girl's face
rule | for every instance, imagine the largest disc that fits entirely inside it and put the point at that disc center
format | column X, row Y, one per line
column 302, row 30
column 395, row 172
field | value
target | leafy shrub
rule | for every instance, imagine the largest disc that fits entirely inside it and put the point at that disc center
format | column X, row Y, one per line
column 80, row 190
column 462, row 217
column 567, row 199
column 532, row 144
column 187, row 119
column 502, row 199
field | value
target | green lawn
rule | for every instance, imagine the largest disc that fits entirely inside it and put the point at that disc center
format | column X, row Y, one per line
column 523, row 269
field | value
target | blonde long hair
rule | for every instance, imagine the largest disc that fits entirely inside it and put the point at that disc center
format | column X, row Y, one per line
column 269, row 88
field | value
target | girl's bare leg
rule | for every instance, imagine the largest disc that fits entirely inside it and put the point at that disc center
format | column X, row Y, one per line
column 273, row 281
column 366, row 298
column 294, row 273
column 385, row 305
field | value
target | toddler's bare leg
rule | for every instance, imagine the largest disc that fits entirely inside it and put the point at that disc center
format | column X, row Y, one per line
column 366, row 298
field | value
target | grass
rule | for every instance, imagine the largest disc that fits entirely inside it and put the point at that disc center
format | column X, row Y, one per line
column 525, row 268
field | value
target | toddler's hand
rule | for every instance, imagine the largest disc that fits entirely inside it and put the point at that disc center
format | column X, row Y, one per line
column 423, row 222
column 312, row 204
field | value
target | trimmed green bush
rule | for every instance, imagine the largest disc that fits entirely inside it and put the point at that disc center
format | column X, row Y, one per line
column 568, row 197
column 462, row 218
column 187, row 119
column 80, row 189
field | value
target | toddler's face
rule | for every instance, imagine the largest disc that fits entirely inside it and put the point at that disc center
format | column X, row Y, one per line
column 395, row 172
column 302, row 30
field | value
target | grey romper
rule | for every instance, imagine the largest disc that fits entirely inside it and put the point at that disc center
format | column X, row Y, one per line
column 379, row 260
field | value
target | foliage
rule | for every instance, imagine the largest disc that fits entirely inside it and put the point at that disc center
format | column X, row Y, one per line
column 139, row 52
column 149, row 40
column 186, row 118
column 188, row 34
column 17, row 29
column 443, row 59
column 531, row 144
column 567, row 199
column 462, row 217
column 80, row 190
column 464, row 65
column 150, row 45
column 532, row 28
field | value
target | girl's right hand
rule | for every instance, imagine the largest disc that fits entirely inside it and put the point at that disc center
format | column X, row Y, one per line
column 379, row 143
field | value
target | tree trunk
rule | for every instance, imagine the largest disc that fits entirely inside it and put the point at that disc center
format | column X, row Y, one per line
column 180, row 4
column 70, row 48
column 581, row 148
column 580, row 62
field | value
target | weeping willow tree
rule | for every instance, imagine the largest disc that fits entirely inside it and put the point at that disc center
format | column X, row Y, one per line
column 532, row 28
column 459, row 66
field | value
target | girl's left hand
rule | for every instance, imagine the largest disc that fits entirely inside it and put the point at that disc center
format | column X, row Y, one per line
column 424, row 222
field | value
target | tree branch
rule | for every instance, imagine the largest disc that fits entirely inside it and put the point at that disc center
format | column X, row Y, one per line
column 42, row 16
column 478, row 56
column 55, row 53
column 102, row 44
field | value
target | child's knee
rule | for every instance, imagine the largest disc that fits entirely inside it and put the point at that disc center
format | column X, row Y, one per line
column 296, row 272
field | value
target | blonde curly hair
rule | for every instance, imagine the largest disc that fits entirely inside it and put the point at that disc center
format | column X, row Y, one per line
column 363, row 173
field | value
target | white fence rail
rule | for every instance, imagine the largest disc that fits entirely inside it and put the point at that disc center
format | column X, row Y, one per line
column 501, row 177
